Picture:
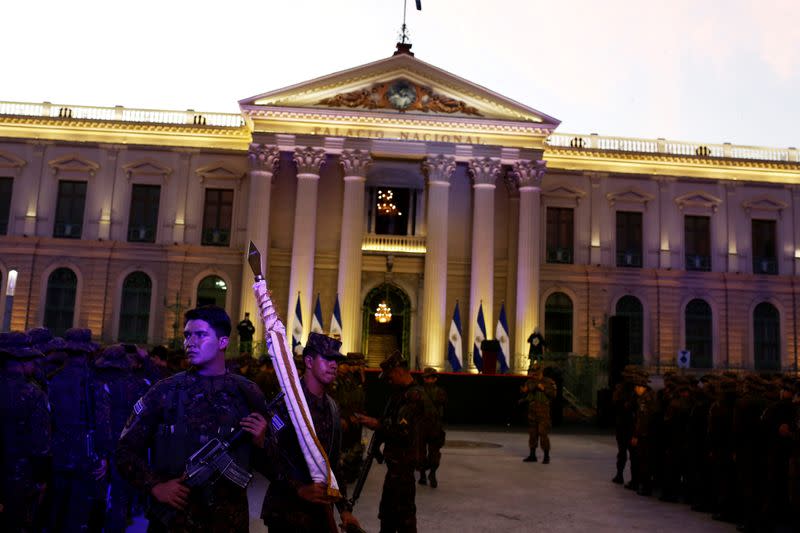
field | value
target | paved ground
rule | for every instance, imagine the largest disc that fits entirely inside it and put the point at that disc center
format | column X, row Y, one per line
column 485, row 486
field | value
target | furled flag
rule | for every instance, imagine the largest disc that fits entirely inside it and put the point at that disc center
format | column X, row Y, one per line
column 501, row 334
column 480, row 336
column 297, row 329
column 454, row 342
column 316, row 318
column 336, row 321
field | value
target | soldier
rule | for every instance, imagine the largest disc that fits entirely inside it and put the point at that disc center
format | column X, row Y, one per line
column 399, row 430
column 721, row 453
column 775, row 495
column 120, row 390
column 181, row 413
column 539, row 391
column 623, row 401
column 642, row 431
column 536, row 351
column 78, row 468
column 266, row 379
column 25, row 438
column 246, row 329
column 749, row 448
column 676, row 424
column 433, row 427
column 699, row 488
column 349, row 394
column 293, row 502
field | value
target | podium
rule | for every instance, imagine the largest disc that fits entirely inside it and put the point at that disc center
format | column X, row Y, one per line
column 490, row 350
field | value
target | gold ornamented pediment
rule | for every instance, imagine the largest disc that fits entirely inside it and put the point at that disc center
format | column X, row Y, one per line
column 402, row 95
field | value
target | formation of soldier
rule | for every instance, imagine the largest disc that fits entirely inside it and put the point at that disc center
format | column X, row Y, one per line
column 724, row 444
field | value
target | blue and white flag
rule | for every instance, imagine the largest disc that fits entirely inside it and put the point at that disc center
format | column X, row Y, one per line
column 454, row 355
column 336, row 321
column 480, row 336
column 501, row 334
column 316, row 318
column 297, row 330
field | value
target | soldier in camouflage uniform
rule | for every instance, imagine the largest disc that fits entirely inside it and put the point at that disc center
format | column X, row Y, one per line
column 676, row 426
column 433, row 433
column 721, row 452
column 623, row 400
column 349, row 394
column 293, row 503
column 399, row 430
column 641, row 439
column 539, row 391
column 25, row 437
column 79, row 469
column 181, row 413
column 121, row 387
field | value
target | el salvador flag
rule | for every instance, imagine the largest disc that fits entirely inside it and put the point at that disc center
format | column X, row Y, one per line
column 316, row 319
column 501, row 334
column 480, row 336
column 454, row 342
column 297, row 330
column 336, row 321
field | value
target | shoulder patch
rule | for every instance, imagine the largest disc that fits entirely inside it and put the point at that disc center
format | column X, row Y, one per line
column 277, row 423
column 138, row 407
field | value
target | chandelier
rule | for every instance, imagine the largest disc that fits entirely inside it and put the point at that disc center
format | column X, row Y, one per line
column 383, row 313
column 385, row 204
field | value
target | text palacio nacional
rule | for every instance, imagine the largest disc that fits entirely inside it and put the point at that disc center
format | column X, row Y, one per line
column 397, row 182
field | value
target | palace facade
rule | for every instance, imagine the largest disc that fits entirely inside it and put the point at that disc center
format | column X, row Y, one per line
column 397, row 182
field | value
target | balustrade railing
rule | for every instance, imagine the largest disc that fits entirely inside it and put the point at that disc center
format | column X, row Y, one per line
column 407, row 244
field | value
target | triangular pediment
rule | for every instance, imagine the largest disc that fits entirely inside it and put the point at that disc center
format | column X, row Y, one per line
column 74, row 163
column 564, row 192
column 400, row 85
column 146, row 167
column 764, row 203
column 630, row 196
column 699, row 199
column 220, row 170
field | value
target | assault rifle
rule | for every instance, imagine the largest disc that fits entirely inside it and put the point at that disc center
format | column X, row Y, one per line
column 208, row 465
column 373, row 452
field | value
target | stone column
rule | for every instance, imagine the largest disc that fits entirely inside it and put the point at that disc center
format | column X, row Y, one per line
column 597, row 209
column 733, row 214
column 666, row 208
column 264, row 162
column 484, row 173
column 512, row 258
column 355, row 164
column 439, row 169
column 301, row 280
column 529, row 174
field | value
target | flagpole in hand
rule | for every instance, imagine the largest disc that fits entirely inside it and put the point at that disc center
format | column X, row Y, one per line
column 317, row 460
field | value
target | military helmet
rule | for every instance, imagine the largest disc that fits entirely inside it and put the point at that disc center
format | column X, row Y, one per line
column 17, row 345
column 114, row 356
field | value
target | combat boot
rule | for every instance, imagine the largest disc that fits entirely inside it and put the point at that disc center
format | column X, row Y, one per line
column 423, row 480
column 546, row 460
column 618, row 479
column 532, row 457
column 432, row 478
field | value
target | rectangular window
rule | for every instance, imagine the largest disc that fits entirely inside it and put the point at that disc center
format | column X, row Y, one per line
column 6, row 185
column 217, row 217
column 765, row 257
column 560, row 221
column 392, row 211
column 69, row 209
column 629, row 239
column 143, row 220
column 697, row 239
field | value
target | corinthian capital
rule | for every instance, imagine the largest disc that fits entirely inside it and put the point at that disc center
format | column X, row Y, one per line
column 484, row 170
column 309, row 160
column 439, row 168
column 530, row 173
column 264, row 157
column 355, row 162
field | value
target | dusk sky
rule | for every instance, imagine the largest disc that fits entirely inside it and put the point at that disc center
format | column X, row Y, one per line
column 712, row 71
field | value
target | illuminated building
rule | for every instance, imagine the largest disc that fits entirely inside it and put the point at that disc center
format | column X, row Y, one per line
column 399, row 182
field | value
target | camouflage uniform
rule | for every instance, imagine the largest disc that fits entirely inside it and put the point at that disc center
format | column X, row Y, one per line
column 25, row 438
column 399, row 431
column 120, row 390
column 176, row 417
column 749, row 447
column 433, row 428
column 79, row 436
column 676, row 437
column 642, row 433
column 720, row 443
column 348, row 391
column 540, row 392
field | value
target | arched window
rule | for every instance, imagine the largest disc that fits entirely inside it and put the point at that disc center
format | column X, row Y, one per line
column 59, row 305
column 631, row 307
column 699, row 338
column 558, row 323
column 212, row 291
column 134, row 315
column 766, row 337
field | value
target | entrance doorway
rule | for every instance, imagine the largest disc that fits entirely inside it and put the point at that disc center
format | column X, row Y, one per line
column 380, row 339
